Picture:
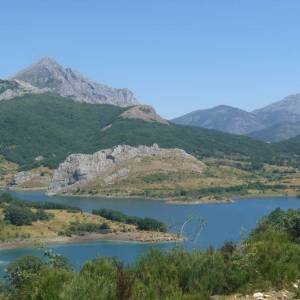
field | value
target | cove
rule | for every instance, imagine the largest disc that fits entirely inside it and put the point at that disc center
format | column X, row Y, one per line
column 210, row 225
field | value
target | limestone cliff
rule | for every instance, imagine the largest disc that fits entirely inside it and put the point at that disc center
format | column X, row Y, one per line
column 110, row 167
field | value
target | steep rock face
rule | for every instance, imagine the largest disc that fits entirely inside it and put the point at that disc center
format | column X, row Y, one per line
column 66, row 82
column 224, row 118
column 10, row 89
column 107, row 166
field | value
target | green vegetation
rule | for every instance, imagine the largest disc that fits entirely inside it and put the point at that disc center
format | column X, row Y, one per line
column 79, row 228
column 6, row 198
column 7, row 84
column 56, row 127
column 19, row 224
column 147, row 224
column 291, row 145
column 237, row 190
column 268, row 260
column 20, row 216
column 285, row 221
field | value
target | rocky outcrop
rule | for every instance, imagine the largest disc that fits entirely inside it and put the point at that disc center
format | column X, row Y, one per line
column 22, row 177
column 10, row 89
column 34, row 179
column 107, row 166
column 143, row 112
column 66, row 82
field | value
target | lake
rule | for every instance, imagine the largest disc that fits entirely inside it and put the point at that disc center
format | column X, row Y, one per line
column 209, row 225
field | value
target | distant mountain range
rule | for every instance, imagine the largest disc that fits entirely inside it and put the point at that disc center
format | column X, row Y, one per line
column 48, row 76
column 224, row 118
column 275, row 122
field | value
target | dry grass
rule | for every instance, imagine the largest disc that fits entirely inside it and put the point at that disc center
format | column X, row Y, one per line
column 48, row 231
column 170, row 178
column 7, row 170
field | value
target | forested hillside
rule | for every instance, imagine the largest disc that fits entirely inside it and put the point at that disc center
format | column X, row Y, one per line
column 44, row 129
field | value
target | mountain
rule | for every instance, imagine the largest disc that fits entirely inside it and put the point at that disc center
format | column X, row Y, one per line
column 44, row 129
column 224, row 118
column 275, row 122
column 286, row 110
column 10, row 89
column 47, row 73
column 277, row 132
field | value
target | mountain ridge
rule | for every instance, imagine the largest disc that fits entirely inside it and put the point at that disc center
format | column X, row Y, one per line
column 222, row 117
column 274, row 122
column 47, row 73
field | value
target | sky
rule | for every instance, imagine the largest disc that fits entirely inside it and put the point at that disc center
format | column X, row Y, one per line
column 177, row 56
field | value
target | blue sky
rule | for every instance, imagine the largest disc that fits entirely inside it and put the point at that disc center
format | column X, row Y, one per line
column 175, row 55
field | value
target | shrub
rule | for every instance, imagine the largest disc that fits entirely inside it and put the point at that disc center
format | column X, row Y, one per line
column 150, row 224
column 104, row 226
column 19, row 215
column 19, row 271
column 83, row 228
column 287, row 221
column 147, row 224
column 42, row 215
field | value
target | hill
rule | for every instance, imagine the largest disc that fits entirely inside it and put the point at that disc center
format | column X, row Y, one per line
column 47, row 73
column 44, row 129
column 277, row 132
column 277, row 121
column 225, row 118
column 126, row 170
column 285, row 110
column 291, row 145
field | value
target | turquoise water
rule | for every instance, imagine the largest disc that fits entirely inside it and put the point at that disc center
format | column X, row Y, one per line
column 222, row 222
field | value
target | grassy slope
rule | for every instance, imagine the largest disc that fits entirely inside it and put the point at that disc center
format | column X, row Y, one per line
column 54, row 127
column 291, row 145
column 278, row 132
column 7, row 169
column 51, row 126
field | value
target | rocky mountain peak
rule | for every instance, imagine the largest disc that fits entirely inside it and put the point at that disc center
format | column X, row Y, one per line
column 47, row 61
column 47, row 73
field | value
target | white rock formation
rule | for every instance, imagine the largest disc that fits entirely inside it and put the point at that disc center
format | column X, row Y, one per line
column 21, row 178
column 108, row 165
